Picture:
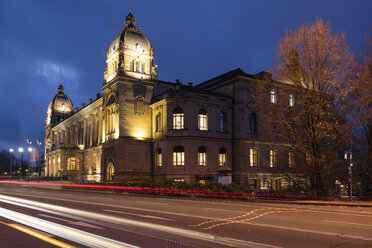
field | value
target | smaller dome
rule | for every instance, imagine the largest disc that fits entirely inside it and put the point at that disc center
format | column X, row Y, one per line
column 61, row 103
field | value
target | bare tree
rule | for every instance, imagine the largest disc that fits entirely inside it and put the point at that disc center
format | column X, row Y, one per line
column 361, row 112
column 304, row 103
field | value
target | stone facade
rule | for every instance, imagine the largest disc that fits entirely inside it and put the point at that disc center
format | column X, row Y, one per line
column 144, row 126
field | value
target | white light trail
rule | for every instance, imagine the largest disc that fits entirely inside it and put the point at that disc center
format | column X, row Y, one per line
column 123, row 221
column 69, row 233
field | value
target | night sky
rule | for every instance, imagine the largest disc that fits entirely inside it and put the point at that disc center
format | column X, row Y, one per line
column 193, row 40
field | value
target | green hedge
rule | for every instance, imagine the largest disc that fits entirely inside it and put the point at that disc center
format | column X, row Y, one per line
column 149, row 182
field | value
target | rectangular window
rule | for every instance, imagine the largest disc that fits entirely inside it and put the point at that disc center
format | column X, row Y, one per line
column 180, row 180
column 137, row 66
column 253, row 157
column 202, row 158
column 222, row 122
column 132, row 65
column 291, row 100
column 202, row 122
column 202, row 181
column 178, row 121
column 222, row 159
column 272, row 96
column 159, row 159
column 178, row 158
column 273, row 158
column 158, row 123
column 291, row 159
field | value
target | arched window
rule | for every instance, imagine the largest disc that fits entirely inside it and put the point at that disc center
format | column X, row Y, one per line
column 137, row 66
column 221, row 157
column 73, row 163
column 142, row 67
column 253, row 157
column 252, row 123
column 178, row 121
column 222, row 122
column 158, row 123
column 110, row 171
column 159, row 158
column 111, row 100
column 202, row 156
column 274, row 158
column 202, row 120
column 178, row 156
column 139, row 107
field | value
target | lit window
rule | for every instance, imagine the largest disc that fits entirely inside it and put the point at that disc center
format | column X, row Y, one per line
column 252, row 122
column 158, row 123
column 202, row 120
column 221, row 157
column 202, row 181
column 273, row 96
column 291, row 100
column 179, row 156
column 178, row 118
column 179, row 180
column 73, row 163
column 253, row 157
column 202, row 156
column 273, row 158
column 110, row 172
column 222, row 122
column 291, row 159
column 308, row 157
column 142, row 67
column 159, row 158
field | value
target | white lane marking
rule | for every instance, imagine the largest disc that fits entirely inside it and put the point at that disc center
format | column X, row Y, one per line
column 65, row 232
column 78, row 223
column 158, row 203
column 123, row 221
column 140, row 215
column 226, row 210
column 350, row 223
column 351, row 236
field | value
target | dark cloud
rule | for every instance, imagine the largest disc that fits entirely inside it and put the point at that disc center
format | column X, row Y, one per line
column 193, row 41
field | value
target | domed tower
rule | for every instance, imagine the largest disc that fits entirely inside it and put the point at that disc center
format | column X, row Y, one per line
column 130, row 54
column 59, row 108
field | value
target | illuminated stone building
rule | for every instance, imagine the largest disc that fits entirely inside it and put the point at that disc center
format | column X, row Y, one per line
column 141, row 125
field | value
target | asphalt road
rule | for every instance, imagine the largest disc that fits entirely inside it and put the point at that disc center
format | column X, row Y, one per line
column 52, row 218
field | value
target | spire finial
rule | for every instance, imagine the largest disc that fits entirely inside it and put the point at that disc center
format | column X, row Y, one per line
column 129, row 21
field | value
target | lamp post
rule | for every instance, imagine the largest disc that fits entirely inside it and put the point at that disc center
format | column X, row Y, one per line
column 38, row 142
column 20, row 150
column 11, row 162
column 29, row 162
column 29, row 142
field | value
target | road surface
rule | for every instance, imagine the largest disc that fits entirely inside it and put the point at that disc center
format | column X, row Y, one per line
column 52, row 218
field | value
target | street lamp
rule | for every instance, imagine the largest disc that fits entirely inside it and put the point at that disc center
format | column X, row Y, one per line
column 11, row 162
column 20, row 150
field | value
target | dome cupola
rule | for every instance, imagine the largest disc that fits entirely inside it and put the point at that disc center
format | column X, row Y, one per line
column 60, row 107
column 130, row 54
